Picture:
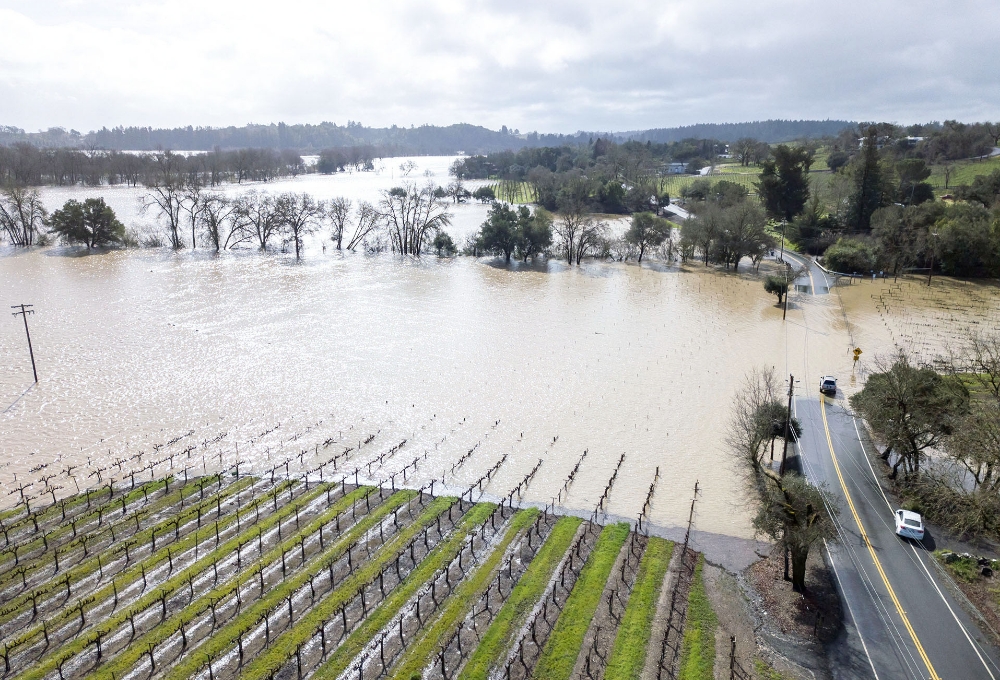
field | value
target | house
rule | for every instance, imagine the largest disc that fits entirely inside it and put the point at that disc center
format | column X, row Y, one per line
column 675, row 168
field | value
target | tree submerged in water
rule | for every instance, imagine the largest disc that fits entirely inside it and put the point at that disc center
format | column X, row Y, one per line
column 92, row 223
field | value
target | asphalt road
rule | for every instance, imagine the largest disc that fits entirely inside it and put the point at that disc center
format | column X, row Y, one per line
column 902, row 618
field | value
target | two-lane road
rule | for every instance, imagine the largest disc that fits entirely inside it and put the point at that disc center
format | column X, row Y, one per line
column 900, row 611
column 902, row 618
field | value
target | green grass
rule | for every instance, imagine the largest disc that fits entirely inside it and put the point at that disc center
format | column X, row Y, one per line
column 563, row 646
column 629, row 652
column 698, row 649
column 80, row 499
column 277, row 654
column 508, row 191
column 963, row 172
column 132, row 573
column 963, row 568
column 89, row 566
column 228, row 635
column 522, row 599
column 64, row 528
column 444, row 622
column 120, row 665
column 765, row 672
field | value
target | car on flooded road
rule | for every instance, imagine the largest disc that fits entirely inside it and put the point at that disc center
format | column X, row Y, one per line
column 909, row 525
column 828, row 385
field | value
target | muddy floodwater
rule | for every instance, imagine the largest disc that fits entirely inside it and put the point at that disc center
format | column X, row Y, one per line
column 198, row 360
column 138, row 348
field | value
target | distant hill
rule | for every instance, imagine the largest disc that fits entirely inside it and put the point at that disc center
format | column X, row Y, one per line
column 770, row 131
column 394, row 141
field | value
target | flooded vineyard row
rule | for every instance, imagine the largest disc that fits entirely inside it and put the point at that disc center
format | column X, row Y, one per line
column 311, row 575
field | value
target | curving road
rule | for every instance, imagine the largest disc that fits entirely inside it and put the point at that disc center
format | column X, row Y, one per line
column 903, row 619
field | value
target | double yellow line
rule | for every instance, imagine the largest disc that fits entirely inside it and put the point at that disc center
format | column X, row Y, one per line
column 871, row 549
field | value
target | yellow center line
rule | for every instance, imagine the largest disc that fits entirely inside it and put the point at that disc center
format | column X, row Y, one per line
column 871, row 549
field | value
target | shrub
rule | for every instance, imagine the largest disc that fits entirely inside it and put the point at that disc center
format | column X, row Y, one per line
column 849, row 255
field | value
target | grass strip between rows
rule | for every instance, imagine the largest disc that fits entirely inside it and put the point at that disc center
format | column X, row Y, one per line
column 6, row 569
column 90, row 565
column 439, row 629
column 698, row 649
column 80, row 643
column 121, row 664
column 131, row 573
column 628, row 655
column 442, row 554
column 522, row 599
column 229, row 634
column 79, row 499
column 563, row 646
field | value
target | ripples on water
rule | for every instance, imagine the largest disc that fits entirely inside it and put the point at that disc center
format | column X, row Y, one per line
column 136, row 348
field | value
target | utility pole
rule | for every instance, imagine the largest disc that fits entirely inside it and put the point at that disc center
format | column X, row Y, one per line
column 784, row 311
column 24, row 314
column 788, row 420
column 781, row 257
column 930, row 271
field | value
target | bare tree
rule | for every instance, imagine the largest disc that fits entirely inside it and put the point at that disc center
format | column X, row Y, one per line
column 218, row 219
column 368, row 221
column 299, row 214
column 410, row 215
column 22, row 215
column 258, row 217
column 567, row 227
column 589, row 237
column 166, row 194
column 192, row 203
column 338, row 211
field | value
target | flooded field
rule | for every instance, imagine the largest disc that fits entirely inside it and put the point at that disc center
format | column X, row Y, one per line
column 357, row 186
column 151, row 360
column 138, row 348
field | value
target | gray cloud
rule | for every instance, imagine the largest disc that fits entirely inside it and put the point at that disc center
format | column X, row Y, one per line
column 556, row 66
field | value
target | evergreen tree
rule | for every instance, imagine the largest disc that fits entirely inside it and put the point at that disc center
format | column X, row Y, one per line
column 92, row 223
column 499, row 232
column 869, row 183
column 783, row 186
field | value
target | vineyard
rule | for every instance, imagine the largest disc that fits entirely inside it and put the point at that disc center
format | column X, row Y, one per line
column 318, row 575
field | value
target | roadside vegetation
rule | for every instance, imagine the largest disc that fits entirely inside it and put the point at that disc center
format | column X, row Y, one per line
column 787, row 508
column 952, row 409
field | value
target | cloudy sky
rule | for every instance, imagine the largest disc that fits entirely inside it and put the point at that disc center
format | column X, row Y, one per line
column 551, row 66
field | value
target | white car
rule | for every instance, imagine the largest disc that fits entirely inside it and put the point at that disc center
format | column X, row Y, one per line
column 828, row 385
column 909, row 525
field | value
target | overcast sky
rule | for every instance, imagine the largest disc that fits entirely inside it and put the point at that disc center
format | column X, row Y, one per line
column 555, row 66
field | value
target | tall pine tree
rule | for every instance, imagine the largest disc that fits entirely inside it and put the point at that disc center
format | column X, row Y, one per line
column 869, row 184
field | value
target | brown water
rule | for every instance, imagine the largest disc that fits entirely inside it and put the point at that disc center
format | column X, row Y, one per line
column 136, row 348
column 272, row 358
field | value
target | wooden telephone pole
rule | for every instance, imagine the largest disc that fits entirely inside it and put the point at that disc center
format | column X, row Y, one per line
column 788, row 420
column 24, row 312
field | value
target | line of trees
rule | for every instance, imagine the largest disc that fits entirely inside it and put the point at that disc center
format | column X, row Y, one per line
column 405, row 220
column 726, row 228
column 26, row 165
column 608, row 176
column 787, row 508
column 959, row 239
column 952, row 412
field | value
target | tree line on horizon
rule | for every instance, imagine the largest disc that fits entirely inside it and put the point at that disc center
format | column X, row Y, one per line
column 394, row 140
